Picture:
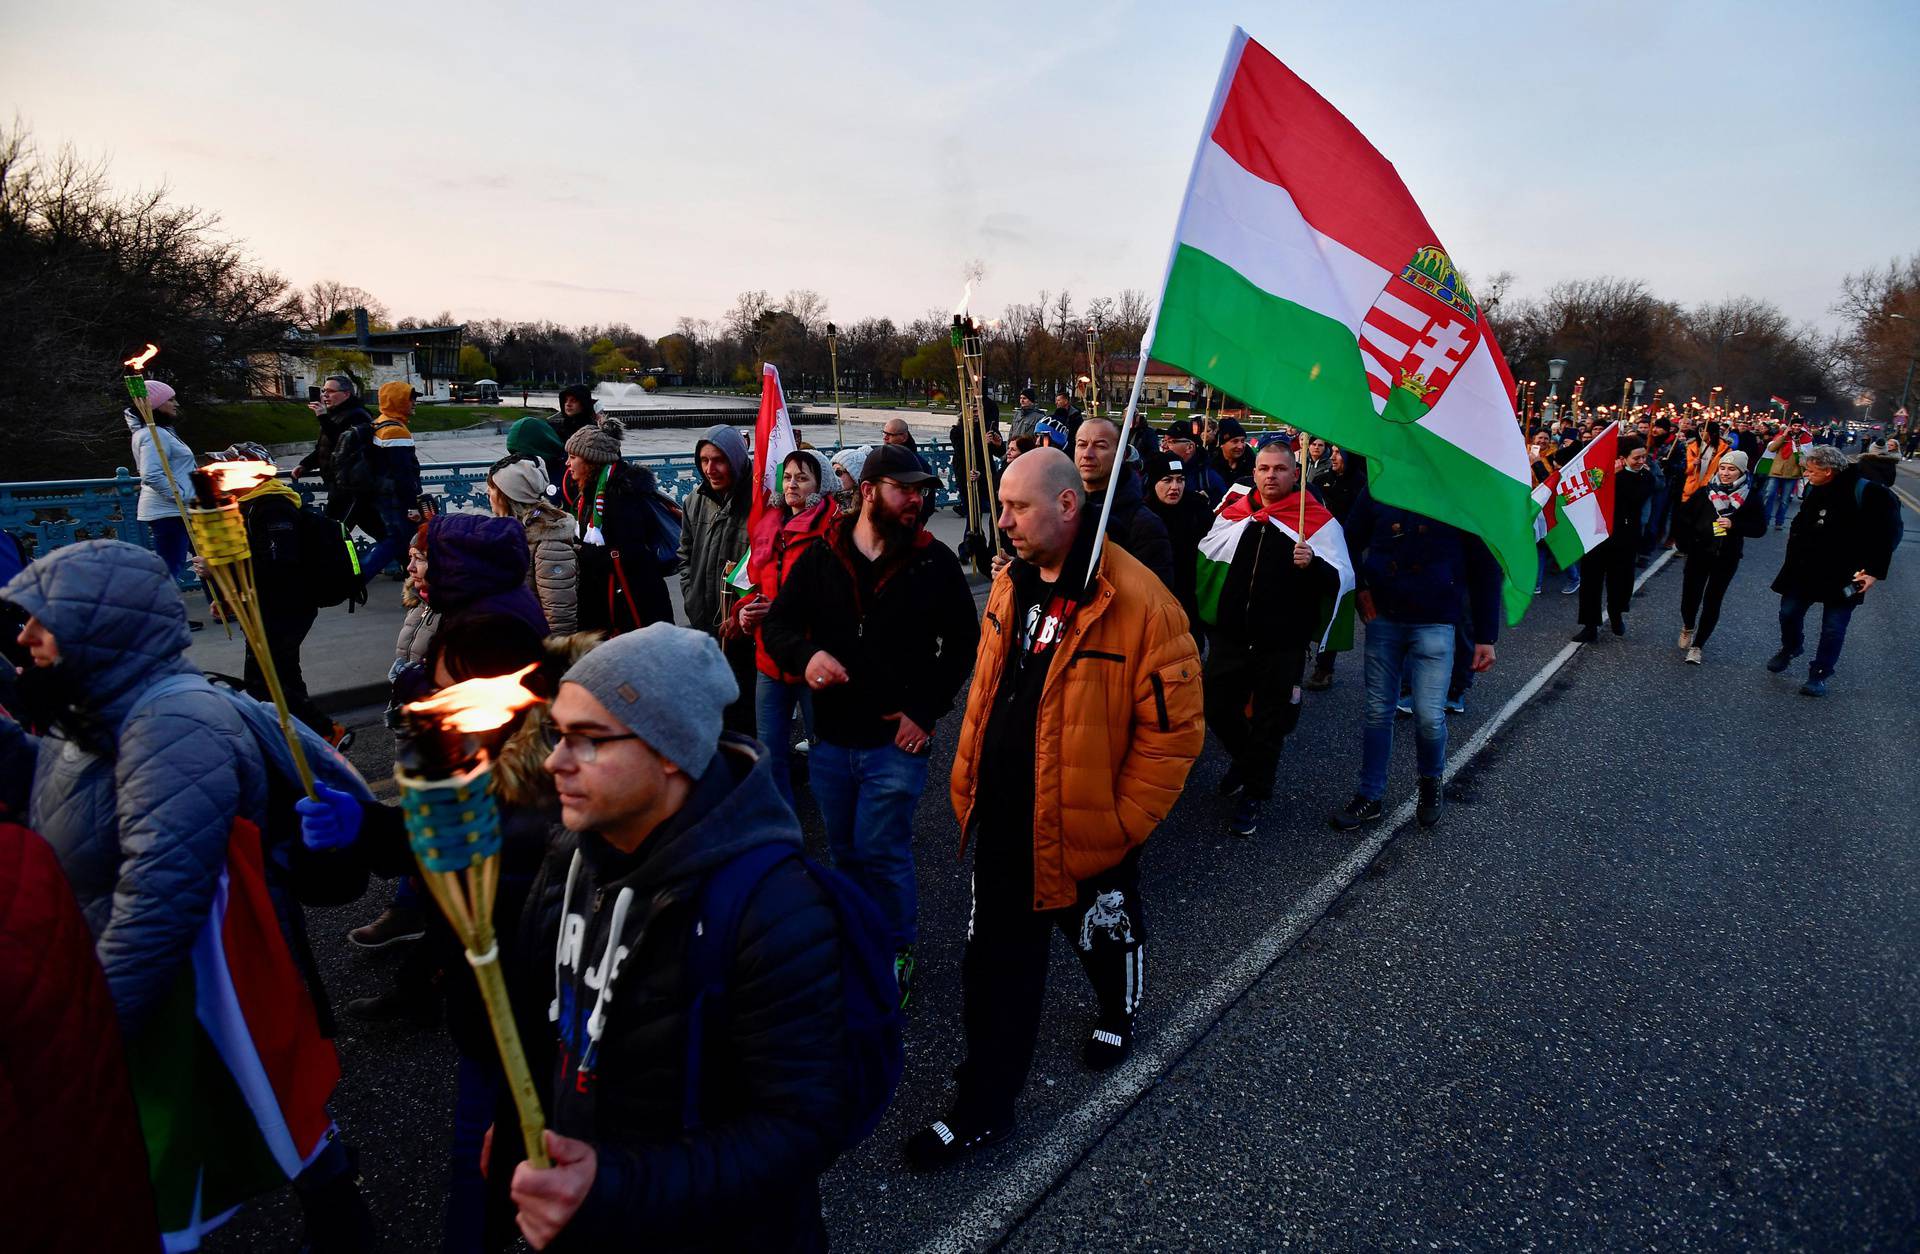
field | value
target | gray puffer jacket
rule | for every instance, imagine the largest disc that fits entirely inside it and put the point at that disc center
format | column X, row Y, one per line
column 553, row 565
column 141, row 830
column 713, row 533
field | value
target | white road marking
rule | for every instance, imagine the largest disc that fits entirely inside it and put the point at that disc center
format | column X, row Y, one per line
column 1016, row 1190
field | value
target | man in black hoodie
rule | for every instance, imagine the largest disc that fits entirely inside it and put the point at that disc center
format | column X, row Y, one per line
column 880, row 621
column 576, row 411
column 655, row 797
column 1130, row 524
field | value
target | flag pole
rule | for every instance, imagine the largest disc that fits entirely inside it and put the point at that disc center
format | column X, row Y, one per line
column 1235, row 45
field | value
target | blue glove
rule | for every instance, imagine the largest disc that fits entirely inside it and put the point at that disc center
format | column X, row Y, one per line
column 330, row 823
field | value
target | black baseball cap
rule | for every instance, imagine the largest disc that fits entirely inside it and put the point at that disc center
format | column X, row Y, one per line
column 1180, row 429
column 895, row 462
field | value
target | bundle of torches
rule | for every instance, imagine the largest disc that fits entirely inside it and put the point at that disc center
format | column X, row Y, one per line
column 444, row 766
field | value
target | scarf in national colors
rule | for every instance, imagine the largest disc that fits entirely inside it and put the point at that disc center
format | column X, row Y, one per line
column 1727, row 500
column 590, row 514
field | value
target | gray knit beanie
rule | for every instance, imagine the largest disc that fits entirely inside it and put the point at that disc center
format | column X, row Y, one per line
column 522, row 481
column 598, row 442
column 851, row 459
column 668, row 685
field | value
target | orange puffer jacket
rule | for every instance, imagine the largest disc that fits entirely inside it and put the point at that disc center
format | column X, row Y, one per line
column 1120, row 724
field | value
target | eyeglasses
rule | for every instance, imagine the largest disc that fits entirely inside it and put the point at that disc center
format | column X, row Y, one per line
column 333, row 391
column 581, row 747
column 917, row 489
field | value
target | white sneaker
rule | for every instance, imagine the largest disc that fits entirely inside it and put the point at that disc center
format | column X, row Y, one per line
column 1686, row 638
column 1693, row 655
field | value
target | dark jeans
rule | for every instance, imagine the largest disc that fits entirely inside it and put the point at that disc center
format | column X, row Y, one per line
column 867, row 798
column 170, row 543
column 285, row 634
column 1834, row 616
column 1003, row 975
column 479, row 1215
column 776, row 702
column 743, row 715
column 1252, row 704
column 1607, row 568
column 1703, row 585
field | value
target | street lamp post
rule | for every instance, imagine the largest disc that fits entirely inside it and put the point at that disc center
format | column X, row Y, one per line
column 833, row 358
column 1555, row 369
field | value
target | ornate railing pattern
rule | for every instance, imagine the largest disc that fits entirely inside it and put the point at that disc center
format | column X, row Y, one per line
column 48, row 515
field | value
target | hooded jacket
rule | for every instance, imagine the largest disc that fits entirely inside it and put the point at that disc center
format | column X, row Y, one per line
column 1119, row 726
column 1135, row 527
column 601, row 992
column 775, row 555
column 906, row 640
column 396, row 462
column 565, row 426
column 479, row 565
column 713, row 533
column 536, row 438
column 156, row 497
column 616, row 598
column 141, row 827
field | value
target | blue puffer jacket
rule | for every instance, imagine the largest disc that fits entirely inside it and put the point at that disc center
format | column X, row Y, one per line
column 142, row 831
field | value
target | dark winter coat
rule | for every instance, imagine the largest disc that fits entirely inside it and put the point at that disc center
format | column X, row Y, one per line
column 1631, row 491
column 1694, row 520
column 907, row 643
column 1186, row 523
column 478, row 565
column 713, row 534
column 1267, row 603
column 565, row 426
column 622, row 597
column 1420, row 570
column 77, row 1174
column 1136, row 528
column 748, row 1178
column 1839, row 530
column 141, row 827
column 333, row 424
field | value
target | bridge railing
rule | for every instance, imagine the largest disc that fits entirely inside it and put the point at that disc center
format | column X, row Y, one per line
column 46, row 515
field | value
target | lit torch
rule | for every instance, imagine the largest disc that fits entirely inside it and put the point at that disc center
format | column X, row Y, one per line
column 220, row 538
column 136, row 381
column 444, row 765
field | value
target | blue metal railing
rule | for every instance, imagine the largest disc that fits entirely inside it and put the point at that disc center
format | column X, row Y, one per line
column 47, row 515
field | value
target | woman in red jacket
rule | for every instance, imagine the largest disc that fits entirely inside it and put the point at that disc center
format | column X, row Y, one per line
column 805, row 511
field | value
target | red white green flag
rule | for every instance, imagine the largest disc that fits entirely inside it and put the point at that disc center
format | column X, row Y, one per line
column 1306, row 281
column 230, row 1073
column 1579, row 508
column 1238, row 515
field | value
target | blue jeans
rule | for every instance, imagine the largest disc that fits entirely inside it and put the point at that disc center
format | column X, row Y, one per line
column 1422, row 653
column 773, row 726
column 1779, row 496
column 867, row 798
column 170, row 543
column 1834, row 617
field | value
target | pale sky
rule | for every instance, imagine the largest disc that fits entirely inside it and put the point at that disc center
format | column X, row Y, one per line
column 637, row 162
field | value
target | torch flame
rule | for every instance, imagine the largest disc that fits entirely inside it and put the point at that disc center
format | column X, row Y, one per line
column 140, row 362
column 233, row 478
column 966, row 297
column 479, row 705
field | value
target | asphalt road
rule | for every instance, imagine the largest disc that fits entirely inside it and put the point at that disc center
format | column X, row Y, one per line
column 1650, row 983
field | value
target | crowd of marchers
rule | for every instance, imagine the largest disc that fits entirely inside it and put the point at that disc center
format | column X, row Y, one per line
column 663, row 760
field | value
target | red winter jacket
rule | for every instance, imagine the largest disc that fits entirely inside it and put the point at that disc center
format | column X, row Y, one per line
column 78, row 1178
column 776, row 546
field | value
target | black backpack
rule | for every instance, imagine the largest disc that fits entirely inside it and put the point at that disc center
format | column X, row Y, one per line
column 331, row 564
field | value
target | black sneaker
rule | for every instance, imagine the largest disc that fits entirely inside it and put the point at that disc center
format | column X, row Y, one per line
column 194, row 624
column 1781, row 660
column 1231, row 785
column 395, row 926
column 948, row 1140
column 1359, row 812
column 1586, row 635
column 1108, row 1046
column 1432, row 802
column 1246, row 817
column 1618, row 624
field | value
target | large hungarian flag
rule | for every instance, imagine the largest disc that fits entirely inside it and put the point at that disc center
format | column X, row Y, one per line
column 1579, row 508
column 230, row 1072
column 772, row 440
column 1305, row 281
column 1238, row 515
